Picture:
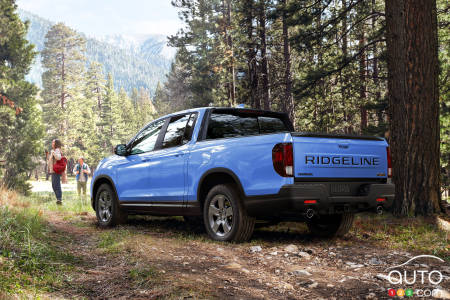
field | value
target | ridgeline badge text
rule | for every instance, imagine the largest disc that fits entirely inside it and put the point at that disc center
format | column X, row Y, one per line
column 341, row 160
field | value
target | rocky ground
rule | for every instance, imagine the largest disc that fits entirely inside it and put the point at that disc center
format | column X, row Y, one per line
column 168, row 258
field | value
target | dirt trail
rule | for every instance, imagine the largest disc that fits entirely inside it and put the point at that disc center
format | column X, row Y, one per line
column 168, row 258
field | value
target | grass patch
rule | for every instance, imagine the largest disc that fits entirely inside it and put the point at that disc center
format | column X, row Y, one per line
column 418, row 235
column 113, row 241
column 71, row 203
column 143, row 275
column 28, row 259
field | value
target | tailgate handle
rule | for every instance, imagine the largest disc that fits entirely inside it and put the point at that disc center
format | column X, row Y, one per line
column 343, row 146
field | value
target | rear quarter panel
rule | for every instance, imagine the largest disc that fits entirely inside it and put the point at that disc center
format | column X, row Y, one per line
column 249, row 158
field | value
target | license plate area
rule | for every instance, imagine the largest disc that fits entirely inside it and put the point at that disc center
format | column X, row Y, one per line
column 340, row 189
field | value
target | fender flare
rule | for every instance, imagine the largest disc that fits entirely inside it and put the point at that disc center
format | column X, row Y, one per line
column 219, row 170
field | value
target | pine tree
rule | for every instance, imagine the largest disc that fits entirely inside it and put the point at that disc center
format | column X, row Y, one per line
column 106, row 120
column 177, row 93
column 127, row 116
column 145, row 111
column 160, row 100
column 203, row 38
column 264, row 71
column 288, row 101
column 95, row 84
column 63, row 59
column 21, row 133
column 82, row 135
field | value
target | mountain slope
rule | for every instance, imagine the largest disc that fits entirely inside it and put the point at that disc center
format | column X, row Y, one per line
column 142, row 66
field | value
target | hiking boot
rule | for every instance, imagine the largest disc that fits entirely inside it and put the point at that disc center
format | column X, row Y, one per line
column 59, row 202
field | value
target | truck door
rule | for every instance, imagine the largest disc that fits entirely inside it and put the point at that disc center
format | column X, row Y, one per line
column 132, row 174
column 168, row 169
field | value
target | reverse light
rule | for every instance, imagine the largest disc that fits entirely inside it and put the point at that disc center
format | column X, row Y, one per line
column 283, row 160
column 389, row 162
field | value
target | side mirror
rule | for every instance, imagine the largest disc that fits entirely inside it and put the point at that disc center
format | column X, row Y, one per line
column 121, row 150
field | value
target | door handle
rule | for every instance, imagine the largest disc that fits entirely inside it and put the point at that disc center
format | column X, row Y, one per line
column 179, row 154
column 146, row 159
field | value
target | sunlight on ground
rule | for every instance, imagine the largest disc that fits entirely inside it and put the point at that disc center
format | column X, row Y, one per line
column 43, row 185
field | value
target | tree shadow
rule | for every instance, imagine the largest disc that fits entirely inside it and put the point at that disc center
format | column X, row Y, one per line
column 286, row 232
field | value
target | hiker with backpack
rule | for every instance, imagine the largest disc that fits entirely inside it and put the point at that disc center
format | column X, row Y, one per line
column 82, row 172
column 57, row 167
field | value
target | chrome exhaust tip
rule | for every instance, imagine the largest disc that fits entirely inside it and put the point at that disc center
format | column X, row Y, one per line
column 380, row 210
column 309, row 213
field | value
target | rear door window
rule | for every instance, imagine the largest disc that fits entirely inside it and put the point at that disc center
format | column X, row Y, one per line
column 271, row 125
column 227, row 125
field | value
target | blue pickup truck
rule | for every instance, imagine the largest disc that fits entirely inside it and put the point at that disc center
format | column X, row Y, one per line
column 231, row 167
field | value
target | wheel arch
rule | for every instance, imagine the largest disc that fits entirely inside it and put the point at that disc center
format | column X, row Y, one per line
column 213, row 177
column 97, row 183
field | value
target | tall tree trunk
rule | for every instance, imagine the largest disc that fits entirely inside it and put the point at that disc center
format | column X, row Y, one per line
column 413, row 104
column 229, row 42
column 344, row 79
column 288, row 101
column 320, row 119
column 265, row 89
column 362, row 83
column 63, row 80
column 375, row 67
column 255, row 101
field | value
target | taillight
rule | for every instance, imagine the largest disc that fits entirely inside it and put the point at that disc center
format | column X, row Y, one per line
column 389, row 162
column 310, row 201
column 283, row 160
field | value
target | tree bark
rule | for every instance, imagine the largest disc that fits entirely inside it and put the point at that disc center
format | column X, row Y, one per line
column 265, row 89
column 413, row 104
column 251, row 57
column 375, row 68
column 230, row 53
column 344, row 79
column 232, row 68
column 288, row 101
column 362, row 83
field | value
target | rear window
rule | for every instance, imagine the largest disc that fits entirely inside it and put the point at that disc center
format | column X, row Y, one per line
column 226, row 125
column 271, row 125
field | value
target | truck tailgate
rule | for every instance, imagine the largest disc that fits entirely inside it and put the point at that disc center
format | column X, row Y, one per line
column 320, row 156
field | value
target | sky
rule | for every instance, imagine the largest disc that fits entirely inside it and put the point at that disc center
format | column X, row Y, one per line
column 98, row 18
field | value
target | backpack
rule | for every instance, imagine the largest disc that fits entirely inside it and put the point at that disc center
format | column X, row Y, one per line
column 60, row 165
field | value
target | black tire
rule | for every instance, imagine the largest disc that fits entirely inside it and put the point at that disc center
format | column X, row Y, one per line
column 107, row 207
column 329, row 226
column 237, row 226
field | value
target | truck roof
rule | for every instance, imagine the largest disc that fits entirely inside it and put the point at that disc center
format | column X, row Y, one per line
column 222, row 108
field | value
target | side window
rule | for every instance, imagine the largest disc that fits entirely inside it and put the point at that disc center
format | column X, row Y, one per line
column 229, row 125
column 175, row 134
column 146, row 140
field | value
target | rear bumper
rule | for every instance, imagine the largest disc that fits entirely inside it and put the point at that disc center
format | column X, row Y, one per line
column 291, row 199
